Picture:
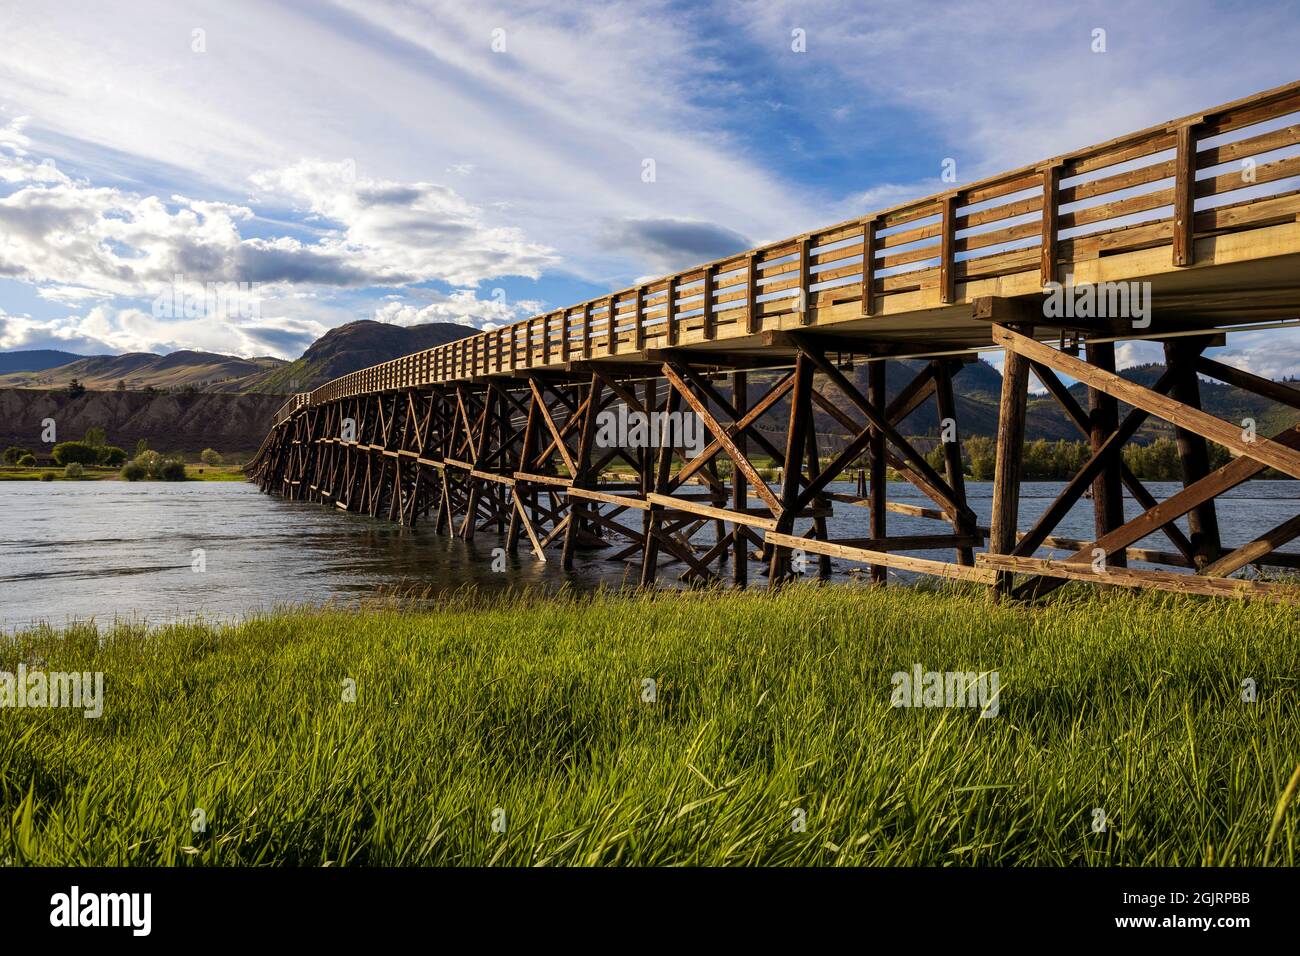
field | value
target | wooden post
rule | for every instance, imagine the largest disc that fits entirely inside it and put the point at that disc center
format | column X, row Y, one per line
column 1193, row 450
column 948, row 250
column 582, row 478
column 1047, row 257
column 879, row 485
column 952, row 460
column 1184, row 195
column 869, row 267
column 670, row 315
column 739, row 492
column 611, row 330
column 707, row 291
column 753, row 322
column 1010, row 448
column 1103, row 418
column 800, row 420
column 805, row 281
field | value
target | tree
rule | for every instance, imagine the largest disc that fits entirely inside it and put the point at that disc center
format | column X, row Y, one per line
column 78, row 451
column 76, row 389
column 13, row 454
column 95, row 437
column 112, row 456
column 121, row 385
column 210, row 456
column 73, row 470
column 141, row 447
column 27, row 461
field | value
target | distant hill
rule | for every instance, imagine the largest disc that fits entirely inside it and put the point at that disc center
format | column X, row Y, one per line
column 206, row 371
column 339, row 351
column 34, row 360
column 355, row 346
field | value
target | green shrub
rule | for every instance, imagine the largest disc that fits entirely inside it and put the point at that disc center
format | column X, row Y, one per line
column 66, row 452
column 210, row 456
column 13, row 454
column 112, row 456
column 47, row 476
column 151, row 464
column 74, row 469
column 27, row 461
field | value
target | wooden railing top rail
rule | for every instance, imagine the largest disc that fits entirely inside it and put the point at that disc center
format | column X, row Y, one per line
column 1013, row 222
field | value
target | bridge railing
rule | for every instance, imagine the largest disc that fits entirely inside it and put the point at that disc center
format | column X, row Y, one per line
column 1235, row 167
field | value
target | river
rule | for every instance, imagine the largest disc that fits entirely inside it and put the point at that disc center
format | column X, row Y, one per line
column 112, row 550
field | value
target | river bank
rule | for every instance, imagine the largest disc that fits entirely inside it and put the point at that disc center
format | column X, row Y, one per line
column 687, row 728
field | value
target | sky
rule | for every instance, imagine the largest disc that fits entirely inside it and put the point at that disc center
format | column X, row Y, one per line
column 470, row 162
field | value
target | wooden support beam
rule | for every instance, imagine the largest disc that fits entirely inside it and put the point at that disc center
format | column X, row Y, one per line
column 1128, row 577
column 1194, row 420
column 879, row 487
column 1009, row 451
column 1193, row 450
column 1248, row 553
column 1107, row 487
column 739, row 494
column 866, row 556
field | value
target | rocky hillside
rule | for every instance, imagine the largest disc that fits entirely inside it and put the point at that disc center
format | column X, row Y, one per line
column 232, row 424
column 354, row 346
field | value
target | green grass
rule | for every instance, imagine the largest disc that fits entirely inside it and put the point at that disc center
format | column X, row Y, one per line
column 766, row 704
column 96, row 473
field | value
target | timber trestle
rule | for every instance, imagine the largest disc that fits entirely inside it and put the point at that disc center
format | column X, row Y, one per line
column 781, row 355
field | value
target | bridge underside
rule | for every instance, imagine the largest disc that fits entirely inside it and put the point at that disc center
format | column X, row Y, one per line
column 1191, row 227
column 530, row 456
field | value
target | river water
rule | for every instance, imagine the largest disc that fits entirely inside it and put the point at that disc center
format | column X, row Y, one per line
column 112, row 550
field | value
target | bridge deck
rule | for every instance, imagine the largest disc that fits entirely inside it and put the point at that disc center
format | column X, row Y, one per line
column 1206, row 208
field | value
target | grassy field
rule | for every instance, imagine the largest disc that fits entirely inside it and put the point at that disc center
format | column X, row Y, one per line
column 530, row 713
column 194, row 472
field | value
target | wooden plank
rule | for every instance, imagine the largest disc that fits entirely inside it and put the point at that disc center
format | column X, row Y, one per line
column 708, row 511
column 866, row 556
column 1131, row 578
column 623, row 501
column 1252, row 551
column 1194, row 420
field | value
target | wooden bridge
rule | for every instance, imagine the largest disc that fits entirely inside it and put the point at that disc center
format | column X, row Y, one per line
column 501, row 431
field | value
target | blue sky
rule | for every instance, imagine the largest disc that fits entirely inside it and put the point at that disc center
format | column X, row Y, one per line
column 382, row 159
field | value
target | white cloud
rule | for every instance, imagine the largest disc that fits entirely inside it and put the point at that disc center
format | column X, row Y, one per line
column 461, row 307
column 76, row 241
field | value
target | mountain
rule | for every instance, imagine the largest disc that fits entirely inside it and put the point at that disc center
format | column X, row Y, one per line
column 34, row 360
column 206, row 371
column 339, row 351
column 354, row 346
